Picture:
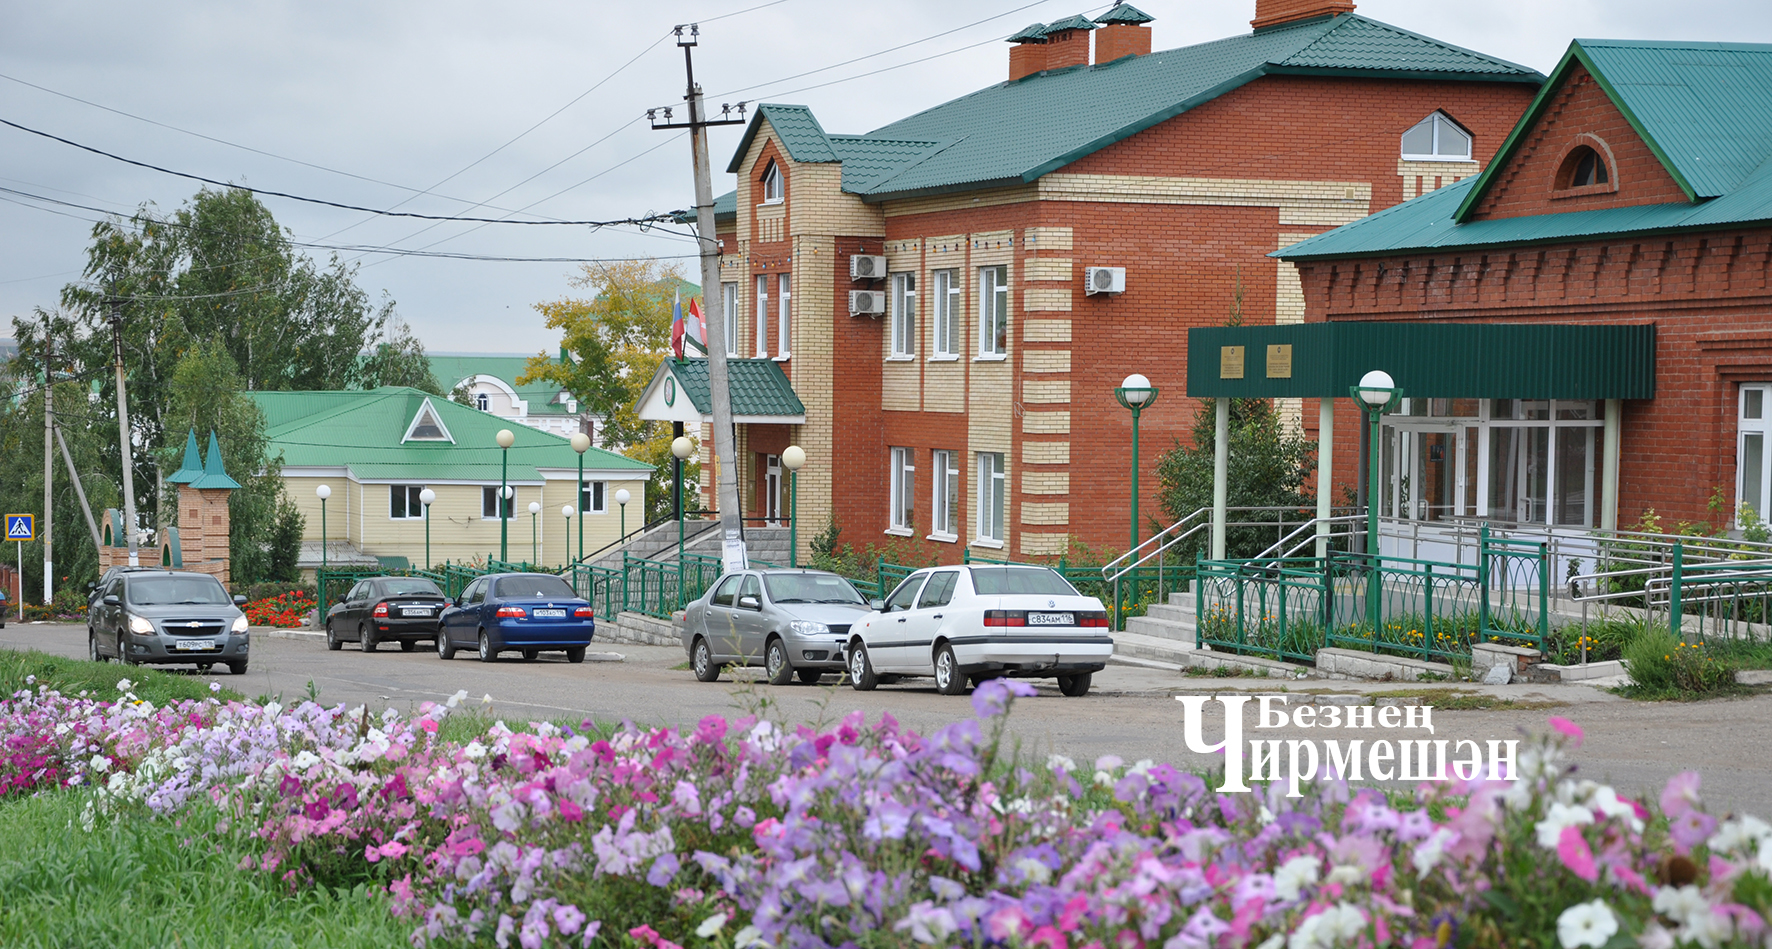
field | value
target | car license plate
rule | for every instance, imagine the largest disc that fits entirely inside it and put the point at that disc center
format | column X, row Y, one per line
column 1052, row 619
column 185, row 645
column 550, row 614
column 418, row 612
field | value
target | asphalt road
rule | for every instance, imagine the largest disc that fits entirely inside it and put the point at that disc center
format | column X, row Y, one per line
column 1131, row 712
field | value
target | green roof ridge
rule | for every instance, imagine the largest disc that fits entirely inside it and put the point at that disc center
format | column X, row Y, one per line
column 1125, row 13
column 1032, row 33
column 192, row 468
column 1078, row 22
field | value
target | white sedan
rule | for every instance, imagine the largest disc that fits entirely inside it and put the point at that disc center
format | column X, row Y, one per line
column 980, row 622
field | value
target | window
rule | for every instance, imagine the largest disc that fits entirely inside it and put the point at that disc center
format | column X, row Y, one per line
column 905, row 596
column 990, row 497
column 1583, row 168
column 729, row 316
column 404, row 503
column 762, row 315
column 904, row 315
column 1525, row 461
column 993, row 311
column 1437, row 138
column 947, row 495
column 783, row 335
column 903, row 488
column 534, row 586
column 593, row 497
column 482, row 401
column 946, row 343
column 774, row 191
column 810, row 588
column 476, row 592
column 1751, row 468
column 727, row 592
column 752, row 590
column 426, row 426
column 939, row 591
column 489, row 502
column 1008, row 581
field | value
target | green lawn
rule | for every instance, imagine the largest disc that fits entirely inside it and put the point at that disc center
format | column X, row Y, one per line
column 151, row 882
column 72, row 676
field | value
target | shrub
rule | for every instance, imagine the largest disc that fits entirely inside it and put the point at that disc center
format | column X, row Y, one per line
column 1661, row 666
column 1606, row 640
column 271, row 588
column 287, row 610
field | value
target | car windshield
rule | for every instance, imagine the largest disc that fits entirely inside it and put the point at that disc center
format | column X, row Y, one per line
column 538, row 585
column 810, row 588
column 171, row 591
column 1001, row 581
column 406, row 586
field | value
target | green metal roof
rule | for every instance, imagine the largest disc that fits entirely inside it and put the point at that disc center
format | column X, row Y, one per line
column 214, row 476
column 1125, row 13
column 1004, row 134
column 758, row 386
column 1032, row 33
column 725, row 210
column 1704, row 109
column 363, row 431
column 192, row 468
column 451, row 371
column 1432, row 360
column 1078, row 22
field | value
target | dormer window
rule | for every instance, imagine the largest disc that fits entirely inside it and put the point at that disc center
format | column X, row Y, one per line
column 1437, row 138
column 427, row 426
column 483, row 402
column 1583, row 168
column 773, row 190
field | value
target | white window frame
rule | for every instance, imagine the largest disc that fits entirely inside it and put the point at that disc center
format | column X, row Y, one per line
column 903, row 300
column 784, row 336
column 774, row 184
column 902, row 491
column 944, row 525
column 762, row 316
column 413, row 503
column 1762, row 428
column 993, row 503
column 510, row 503
column 729, row 315
column 1440, row 119
column 993, row 311
column 945, row 335
column 1476, row 434
column 593, row 497
column 483, row 401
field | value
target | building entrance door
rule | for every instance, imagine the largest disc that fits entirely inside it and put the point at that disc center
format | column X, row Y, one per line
column 772, row 506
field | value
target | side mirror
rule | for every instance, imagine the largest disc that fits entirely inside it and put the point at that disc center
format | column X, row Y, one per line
column 91, row 586
column 877, row 605
column 749, row 603
column 239, row 599
column 112, row 600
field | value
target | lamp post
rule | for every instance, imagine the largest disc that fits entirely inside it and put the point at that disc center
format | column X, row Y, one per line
column 681, row 449
column 427, row 497
column 322, row 492
column 534, row 533
column 621, row 501
column 1135, row 393
column 792, row 457
column 580, row 443
column 504, row 438
column 1377, row 393
column 567, row 512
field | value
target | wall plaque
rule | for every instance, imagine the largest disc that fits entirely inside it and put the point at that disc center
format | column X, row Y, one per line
column 1230, row 362
column 1279, row 361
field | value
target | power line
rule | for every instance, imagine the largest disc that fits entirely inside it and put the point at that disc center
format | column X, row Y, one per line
column 321, row 201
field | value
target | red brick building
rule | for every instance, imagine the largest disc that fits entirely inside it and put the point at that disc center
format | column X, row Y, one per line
column 1636, row 191
column 928, row 286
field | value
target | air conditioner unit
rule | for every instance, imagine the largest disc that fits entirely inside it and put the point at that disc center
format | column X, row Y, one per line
column 1103, row 280
column 869, row 302
column 865, row 267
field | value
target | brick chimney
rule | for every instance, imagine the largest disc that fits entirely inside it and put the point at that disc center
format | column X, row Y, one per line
column 1067, row 42
column 1279, row 12
column 1028, row 55
column 1124, row 32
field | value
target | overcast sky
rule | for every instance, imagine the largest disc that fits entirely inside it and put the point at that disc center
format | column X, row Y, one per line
column 418, row 96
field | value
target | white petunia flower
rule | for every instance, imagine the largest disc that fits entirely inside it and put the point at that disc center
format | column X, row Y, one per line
column 711, row 925
column 748, row 937
column 1586, row 924
column 1060, row 762
column 1430, row 851
column 1330, row 928
column 1558, row 817
column 1294, row 875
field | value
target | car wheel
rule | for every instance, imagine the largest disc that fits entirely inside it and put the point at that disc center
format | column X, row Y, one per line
column 949, row 680
column 366, row 639
column 861, row 671
column 701, row 659
column 575, row 653
column 407, row 645
column 775, row 662
column 487, row 653
column 445, row 648
column 92, row 647
column 237, row 668
column 529, row 655
column 1075, row 686
column 332, row 641
column 123, row 650
column 809, row 676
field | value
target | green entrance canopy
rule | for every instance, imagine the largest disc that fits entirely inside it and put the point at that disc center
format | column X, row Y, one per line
column 1427, row 360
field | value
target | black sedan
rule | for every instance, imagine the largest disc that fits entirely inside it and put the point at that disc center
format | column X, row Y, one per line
column 386, row 609
column 525, row 612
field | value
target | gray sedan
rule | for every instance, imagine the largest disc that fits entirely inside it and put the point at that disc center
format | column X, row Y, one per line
column 167, row 616
column 790, row 622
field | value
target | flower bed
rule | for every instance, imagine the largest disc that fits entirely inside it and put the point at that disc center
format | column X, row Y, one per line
column 747, row 832
column 285, row 610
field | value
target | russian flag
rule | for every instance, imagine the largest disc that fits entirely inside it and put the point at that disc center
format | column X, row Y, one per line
column 691, row 329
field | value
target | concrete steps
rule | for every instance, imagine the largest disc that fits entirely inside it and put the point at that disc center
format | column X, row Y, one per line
column 1165, row 633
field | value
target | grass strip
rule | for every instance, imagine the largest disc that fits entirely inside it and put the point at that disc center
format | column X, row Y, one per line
column 99, row 679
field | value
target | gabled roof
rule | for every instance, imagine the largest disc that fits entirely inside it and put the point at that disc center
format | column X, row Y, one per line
column 361, row 430
column 427, row 417
column 679, row 391
column 214, row 476
column 1032, row 33
column 1704, row 109
column 1078, row 22
column 1007, row 134
column 1125, row 13
column 725, row 210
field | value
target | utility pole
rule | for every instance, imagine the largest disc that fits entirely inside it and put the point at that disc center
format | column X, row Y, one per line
column 719, row 387
column 79, row 489
column 129, row 522
column 48, row 460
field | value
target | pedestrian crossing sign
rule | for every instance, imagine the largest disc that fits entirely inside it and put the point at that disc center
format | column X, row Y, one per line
column 21, row 527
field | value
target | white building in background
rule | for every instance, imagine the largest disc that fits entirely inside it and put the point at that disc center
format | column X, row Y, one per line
column 491, row 384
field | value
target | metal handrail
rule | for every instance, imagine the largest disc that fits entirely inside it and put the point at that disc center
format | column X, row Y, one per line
column 1275, row 552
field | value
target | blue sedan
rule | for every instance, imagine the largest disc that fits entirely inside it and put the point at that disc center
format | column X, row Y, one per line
column 527, row 612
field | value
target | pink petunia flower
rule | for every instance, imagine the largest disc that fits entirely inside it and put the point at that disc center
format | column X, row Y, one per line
column 1573, row 850
column 1680, row 794
column 1569, row 728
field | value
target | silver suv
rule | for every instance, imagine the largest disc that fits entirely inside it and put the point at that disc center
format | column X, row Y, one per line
column 167, row 617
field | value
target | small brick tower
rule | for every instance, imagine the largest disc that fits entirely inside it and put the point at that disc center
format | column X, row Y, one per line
column 200, row 542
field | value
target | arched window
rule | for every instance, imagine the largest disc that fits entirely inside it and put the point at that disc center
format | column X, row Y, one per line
column 1582, row 168
column 772, row 184
column 1437, row 138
